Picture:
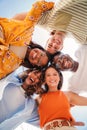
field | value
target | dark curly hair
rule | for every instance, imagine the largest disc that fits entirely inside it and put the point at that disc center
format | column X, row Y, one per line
column 34, row 88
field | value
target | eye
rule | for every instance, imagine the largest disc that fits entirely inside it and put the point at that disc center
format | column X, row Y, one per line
column 36, row 51
column 50, row 45
column 55, row 48
column 47, row 75
column 55, row 74
column 42, row 54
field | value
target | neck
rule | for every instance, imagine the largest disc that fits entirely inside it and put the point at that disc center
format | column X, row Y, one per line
column 52, row 90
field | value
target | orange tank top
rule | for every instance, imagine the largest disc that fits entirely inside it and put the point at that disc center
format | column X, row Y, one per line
column 54, row 105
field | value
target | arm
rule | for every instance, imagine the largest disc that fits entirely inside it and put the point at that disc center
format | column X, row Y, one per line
column 20, row 16
column 38, row 8
column 76, row 99
column 36, row 11
column 28, row 114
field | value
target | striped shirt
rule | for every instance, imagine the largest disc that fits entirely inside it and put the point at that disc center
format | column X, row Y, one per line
column 69, row 16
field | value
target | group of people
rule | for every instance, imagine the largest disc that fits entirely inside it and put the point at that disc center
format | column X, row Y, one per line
column 35, row 95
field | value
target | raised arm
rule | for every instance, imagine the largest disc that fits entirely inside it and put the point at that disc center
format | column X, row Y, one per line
column 76, row 99
column 38, row 8
column 20, row 16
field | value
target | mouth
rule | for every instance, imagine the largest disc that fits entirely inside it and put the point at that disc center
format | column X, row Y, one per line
column 32, row 80
column 58, row 41
column 52, row 81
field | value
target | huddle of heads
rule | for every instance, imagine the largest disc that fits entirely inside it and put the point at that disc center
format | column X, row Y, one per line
column 40, row 59
column 37, row 56
column 35, row 79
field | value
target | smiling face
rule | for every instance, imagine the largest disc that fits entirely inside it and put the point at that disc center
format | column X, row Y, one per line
column 64, row 62
column 38, row 57
column 55, row 43
column 33, row 78
column 52, row 79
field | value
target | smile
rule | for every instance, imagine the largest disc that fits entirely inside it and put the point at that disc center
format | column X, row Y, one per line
column 32, row 80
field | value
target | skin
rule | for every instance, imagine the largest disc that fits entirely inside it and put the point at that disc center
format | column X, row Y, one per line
column 72, row 97
column 32, row 79
column 38, row 57
column 64, row 62
column 55, row 42
column 52, row 79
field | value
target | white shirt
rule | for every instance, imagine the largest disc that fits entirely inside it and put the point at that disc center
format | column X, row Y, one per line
column 78, row 81
column 68, row 16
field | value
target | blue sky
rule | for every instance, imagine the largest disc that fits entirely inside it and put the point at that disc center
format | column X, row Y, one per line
column 8, row 8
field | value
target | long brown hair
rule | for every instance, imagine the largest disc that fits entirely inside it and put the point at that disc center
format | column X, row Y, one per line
column 60, row 75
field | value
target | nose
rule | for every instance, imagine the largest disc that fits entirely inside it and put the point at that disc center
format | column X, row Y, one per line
column 54, row 44
column 51, row 77
column 35, row 55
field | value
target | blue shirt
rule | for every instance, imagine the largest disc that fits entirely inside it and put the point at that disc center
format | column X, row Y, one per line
column 14, row 107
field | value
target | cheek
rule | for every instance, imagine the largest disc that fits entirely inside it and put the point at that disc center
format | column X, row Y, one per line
column 46, row 80
column 37, row 80
column 59, row 46
column 27, row 81
column 44, row 61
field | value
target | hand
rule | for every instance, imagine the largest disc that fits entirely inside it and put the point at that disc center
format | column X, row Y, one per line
column 77, row 123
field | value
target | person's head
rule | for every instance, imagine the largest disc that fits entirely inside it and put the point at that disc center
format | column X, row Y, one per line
column 32, row 77
column 37, row 55
column 53, row 78
column 32, row 82
column 55, row 42
column 65, row 62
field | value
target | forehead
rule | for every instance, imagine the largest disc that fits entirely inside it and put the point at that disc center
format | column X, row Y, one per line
column 35, row 72
column 51, row 69
column 37, row 49
column 57, row 35
column 61, row 56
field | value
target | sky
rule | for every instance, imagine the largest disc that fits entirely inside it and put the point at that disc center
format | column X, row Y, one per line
column 8, row 8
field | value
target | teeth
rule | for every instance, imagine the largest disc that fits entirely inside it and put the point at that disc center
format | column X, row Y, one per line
column 52, row 81
column 58, row 41
column 32, row 79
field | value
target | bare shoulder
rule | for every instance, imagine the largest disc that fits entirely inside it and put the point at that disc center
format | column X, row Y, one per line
column 74, row 98
column 69, row 95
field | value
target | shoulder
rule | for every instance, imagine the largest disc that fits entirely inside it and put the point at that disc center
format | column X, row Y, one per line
column 72, row 97
column 69, row 95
